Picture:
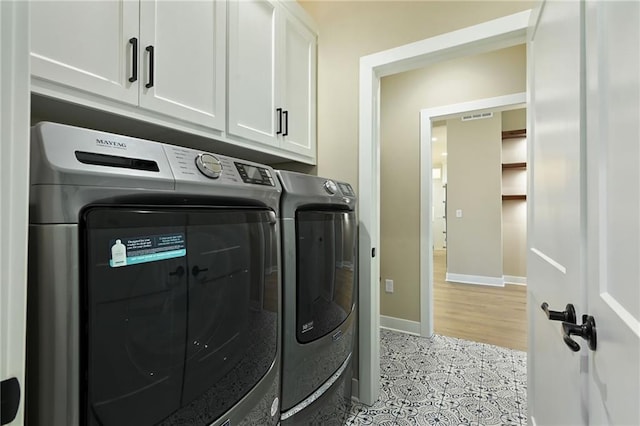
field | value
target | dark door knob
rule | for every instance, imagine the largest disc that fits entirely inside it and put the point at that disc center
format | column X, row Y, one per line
column 587, row 331
column 568, row 315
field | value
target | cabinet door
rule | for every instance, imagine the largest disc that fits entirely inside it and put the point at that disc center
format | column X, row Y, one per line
column 299, row 87
column 252, row 87
column 184, row 75
column 85, row 45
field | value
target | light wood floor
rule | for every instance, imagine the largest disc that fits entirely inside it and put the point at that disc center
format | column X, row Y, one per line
column 495, row 315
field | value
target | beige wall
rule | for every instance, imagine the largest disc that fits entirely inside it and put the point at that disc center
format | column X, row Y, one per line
column 514, row 238
column 402, row 97
column 474, row 241
column 515, row 119
column 349, row 30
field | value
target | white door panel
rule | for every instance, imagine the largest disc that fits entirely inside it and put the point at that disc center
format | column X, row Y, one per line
column 554, row 371
column 252, row 89
column 555, row 258
column 613, row 129
column 188, row 38
column 585, row 97
column 14, row 202
column 92, row 53
column 299, row 86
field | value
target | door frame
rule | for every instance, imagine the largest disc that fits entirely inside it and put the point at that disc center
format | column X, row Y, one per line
column 427, row 116
column 493, row 35
column 15, row 106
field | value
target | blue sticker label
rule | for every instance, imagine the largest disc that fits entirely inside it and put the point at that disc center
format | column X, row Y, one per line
column 132, row 251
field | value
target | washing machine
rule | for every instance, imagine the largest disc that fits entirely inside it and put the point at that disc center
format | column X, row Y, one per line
column 319, row 249
column 154, row 284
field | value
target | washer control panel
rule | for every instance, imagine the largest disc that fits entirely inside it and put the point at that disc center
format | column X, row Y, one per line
column 254, row 174
column 190, row 165
column 209, row 165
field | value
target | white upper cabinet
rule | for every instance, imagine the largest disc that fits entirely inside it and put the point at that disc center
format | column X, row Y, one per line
column 253, row 88
column 242, row 72
column 298, row 79
column 183, row 52
column 85, row 45
column 165, row 56
column 272, row 77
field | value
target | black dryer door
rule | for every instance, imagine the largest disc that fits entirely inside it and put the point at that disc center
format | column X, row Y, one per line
column 325, row 278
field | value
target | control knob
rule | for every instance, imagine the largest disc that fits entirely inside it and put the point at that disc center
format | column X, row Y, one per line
column 331, row 187
column 209, row 165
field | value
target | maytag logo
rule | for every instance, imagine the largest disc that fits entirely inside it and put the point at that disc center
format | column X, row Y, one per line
column 111, row 144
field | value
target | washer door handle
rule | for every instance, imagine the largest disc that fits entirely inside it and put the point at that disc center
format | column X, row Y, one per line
column 195, row 271
column 179, row 272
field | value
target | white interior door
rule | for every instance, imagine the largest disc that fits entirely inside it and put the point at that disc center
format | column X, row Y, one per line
column 585, row 212
column 556, row 267
column 613, row 153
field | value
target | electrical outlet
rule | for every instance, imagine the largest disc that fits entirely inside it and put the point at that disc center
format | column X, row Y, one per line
column 388, row 286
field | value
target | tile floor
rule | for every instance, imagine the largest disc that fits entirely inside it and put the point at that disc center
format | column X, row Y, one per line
column 446, row 381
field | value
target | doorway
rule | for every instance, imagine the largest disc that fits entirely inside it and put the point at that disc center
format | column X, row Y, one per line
column 489, row 36
column 488, row 228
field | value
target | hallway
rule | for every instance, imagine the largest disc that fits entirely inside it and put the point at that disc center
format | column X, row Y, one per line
column 493, row 315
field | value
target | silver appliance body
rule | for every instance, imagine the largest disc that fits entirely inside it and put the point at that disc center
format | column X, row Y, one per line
column 319, row 249
column 154, row 282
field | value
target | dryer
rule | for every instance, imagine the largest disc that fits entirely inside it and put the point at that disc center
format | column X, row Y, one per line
column 153, row 295
column 319, row 249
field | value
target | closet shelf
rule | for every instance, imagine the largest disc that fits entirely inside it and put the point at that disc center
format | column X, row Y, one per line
column 514, row 134
column 514, row 197
column 521, row 165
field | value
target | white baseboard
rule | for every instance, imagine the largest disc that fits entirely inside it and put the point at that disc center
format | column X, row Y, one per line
column 399, row 324
column 512, row 279
column 475, row 279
